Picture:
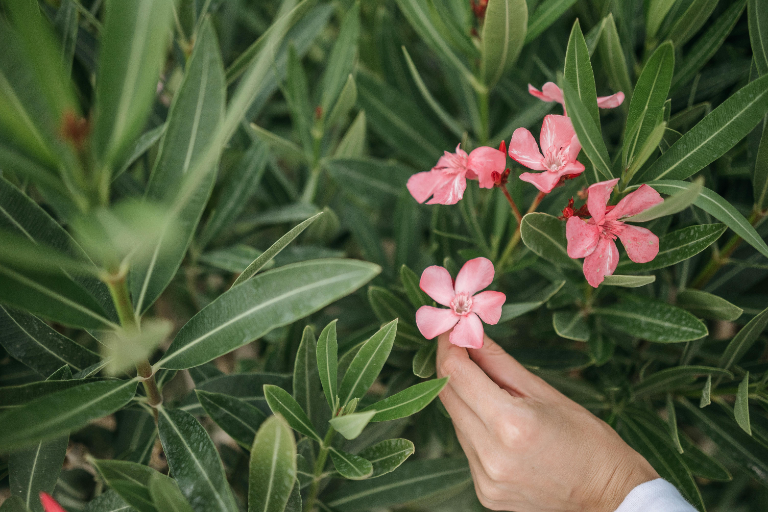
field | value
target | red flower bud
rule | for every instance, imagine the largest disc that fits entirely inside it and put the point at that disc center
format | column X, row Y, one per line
column 503, row 147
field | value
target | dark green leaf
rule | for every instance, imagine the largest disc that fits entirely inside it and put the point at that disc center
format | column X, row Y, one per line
column 250, row 310
column 36, row 469
column 545, row 15
column 327, row 364
column 628, row 281
column 744, row 340
column 653, row 321
column 413, row 291
column 131, row 481
column 545, row 235
column 307, row 388
column 424, row 361
column 514, row 310
column 760, row 177
column 282, row 403
column 571, row 325
column 248, row 387
column 352, row 467
column 504, row 30
column 341, row 61
column 588, row 131
column 110, row 501
column 578, row 72
column 706, row 305
column 741, row 407
column 367, row 364
column 61, row 412
column 194, row 462
column 701, row 464
column 407, row 402
column 235, row 417
column 351, row 425
column 612, row 56
column 166, row 495
column 672, row 378
column 387, row 456
column 678, row 246
column 272, row 470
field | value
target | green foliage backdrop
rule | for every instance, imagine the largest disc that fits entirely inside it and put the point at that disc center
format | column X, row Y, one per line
column 210, row 261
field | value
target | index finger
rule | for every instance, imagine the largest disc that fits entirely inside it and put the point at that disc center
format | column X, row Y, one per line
column 468, row 381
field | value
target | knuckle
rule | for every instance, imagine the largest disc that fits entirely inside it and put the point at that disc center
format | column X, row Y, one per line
column 489, row 492
column 496, row 468
column 451, row 366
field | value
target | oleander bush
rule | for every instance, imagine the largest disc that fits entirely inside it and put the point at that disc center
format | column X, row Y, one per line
column 212, row 233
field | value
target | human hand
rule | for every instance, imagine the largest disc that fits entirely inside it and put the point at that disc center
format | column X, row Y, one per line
column 530, row 448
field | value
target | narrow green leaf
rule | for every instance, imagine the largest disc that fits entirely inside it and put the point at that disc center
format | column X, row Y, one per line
column 131, row 481
column 14, row 396
column 733, row 443
column 708, row 44
column 351, row 425
column 544, row 16
column 706, row 305
column 194, row 462
column 351, row 467
column 706, row 393
column 672, row 378
column 296, row 92
column 327, row 364
column 758, row 34
column 352, row 145
column 655, row 12
column 341, row 61
column 307, row 388
column 195, row 115
column 665, row 459
column 612, row 55
column 672, row 423
column 424, row 361
column 649, row 147
column 377, row 182
column 514, row 310
column 13, row 504
column 387, row 456
column 578, row 72
column 133, row 46
column 701, row 464
column 407, row 402
column 274, row 250
column 504, row 30
column 628, row 281
column 413, row 291
column 250, row 310
column 66, row 22
column 722, row 210
column 248, row 387
column 64, row 411
column 347, row 100
column 141, row 146
column 236, row 417
column 367, row 364
column 240, row 185
column 282, row 403
column 421, row 479
column 601, row 346
column 744, row 340
column 32, row 342
column 545, row 235
column 741, row 407
column 166, row 495
column 110, row 501
column 652, row 320
column 691, row 21
column 294, row 500
column 760, row 176
column 571, row 325
column 36, row 469
column 712, row 136
column 678, row 246
column 272, row 470
column 589, row 133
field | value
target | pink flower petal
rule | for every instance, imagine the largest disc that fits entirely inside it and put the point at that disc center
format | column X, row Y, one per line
column 599, row 193
column 544, row 181
column 435, row 321
column 422, row 185
column 556, row 133
column 468, row 332
column 50, row 504
column 572, row 168
column 487, row 305
column 582, row 237
column 483, row 161
column 602, row 262
column 450, row 190
column 574, row 148
column 641, row 244
column 475, row 275
column 537, row 93
column 553, row 92
column 437, row 283
column 523, row 148
column 612, row 101
column 636, row 202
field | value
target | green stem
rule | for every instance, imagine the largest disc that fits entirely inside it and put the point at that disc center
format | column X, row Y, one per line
column 118, row 288
column 720, row 259
column 322, row 457
column 515, row 210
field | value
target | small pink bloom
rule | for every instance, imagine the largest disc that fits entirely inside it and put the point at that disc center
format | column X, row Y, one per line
column 447, row 180
column 560, row 146
column 594, row 239
column 551, row 92
column 50, row 504
column 465, row 306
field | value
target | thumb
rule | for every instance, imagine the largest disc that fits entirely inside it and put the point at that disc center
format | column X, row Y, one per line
column 507, row 372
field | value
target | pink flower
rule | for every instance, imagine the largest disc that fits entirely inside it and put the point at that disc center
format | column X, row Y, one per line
column 50, row 504
column 594, row 239
column 560, row 146
column 447, row 180
column 465, row 306
column 551, row 92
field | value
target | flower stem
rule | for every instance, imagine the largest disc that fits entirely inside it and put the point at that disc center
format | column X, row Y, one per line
column 515, row 210
column 720, row 259
column 118, row 288
column 517, row 235
column 322, row 457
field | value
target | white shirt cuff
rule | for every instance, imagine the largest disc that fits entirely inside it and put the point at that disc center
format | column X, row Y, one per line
column 655, row 496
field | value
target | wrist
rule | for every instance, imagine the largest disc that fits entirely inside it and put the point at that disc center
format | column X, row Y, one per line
column 628, row 474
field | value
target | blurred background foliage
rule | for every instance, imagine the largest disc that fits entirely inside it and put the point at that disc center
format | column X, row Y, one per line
column 357, row 97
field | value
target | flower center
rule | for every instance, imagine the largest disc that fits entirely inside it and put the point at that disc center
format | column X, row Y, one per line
column 555, row 158
column 611, row 228
column 462, row 304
